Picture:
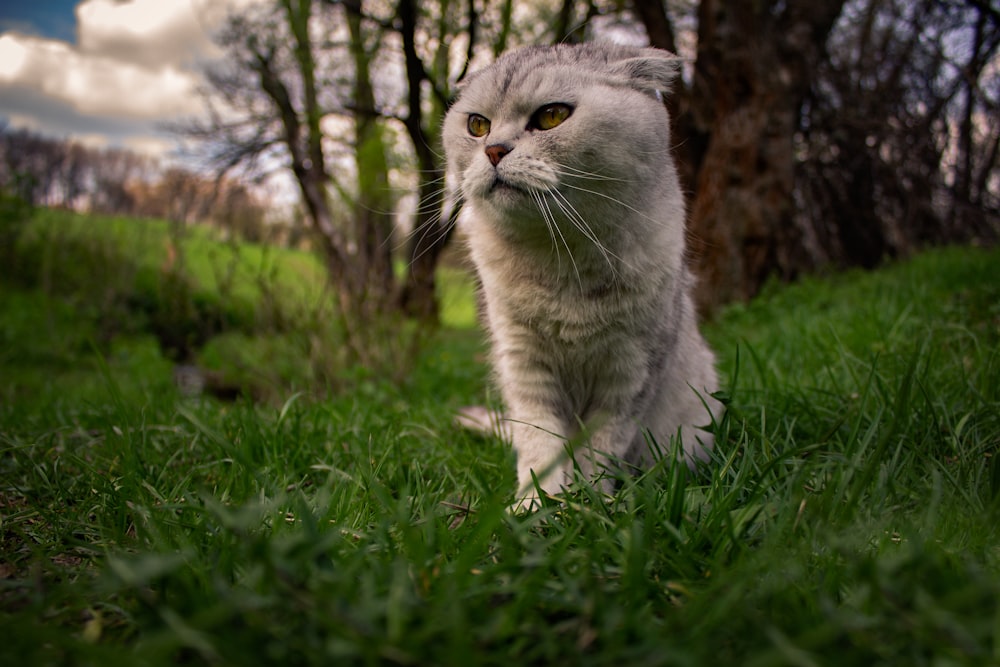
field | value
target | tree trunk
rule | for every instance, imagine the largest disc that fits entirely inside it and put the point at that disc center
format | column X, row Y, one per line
column 418, row 296
column 688, row 142
column 751, row 77
column 308, row 165
column 653, row 14
column 372, row 210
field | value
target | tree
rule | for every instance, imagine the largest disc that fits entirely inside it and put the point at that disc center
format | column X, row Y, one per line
column 306, row 74
column 897, row 132
column 322, row 104
column 372, row 217
column 430, row 232
column 735, row 125
column 303, row 81
column 819, row 133
column 44, row 171
column 31, row 165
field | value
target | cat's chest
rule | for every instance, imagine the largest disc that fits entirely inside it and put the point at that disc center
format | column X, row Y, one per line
column 579, row 308
column 575, row 322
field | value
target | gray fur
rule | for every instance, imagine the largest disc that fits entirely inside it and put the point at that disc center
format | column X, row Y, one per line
column 577, row 234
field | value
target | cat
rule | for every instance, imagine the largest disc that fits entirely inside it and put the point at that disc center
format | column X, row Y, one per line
column 574, row 220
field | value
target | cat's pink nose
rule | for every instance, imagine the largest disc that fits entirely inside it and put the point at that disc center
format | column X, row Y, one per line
column 496, row 152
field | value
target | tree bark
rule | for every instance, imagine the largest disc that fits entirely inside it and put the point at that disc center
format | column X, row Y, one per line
column 307, row 161
column 418, row 296
column 653, row 14
column 689, row 143
column 751, row 77
column 372, row 216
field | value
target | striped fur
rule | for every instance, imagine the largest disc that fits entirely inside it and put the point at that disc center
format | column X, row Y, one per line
column 577, row 234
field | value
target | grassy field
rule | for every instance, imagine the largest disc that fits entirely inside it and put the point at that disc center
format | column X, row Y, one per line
column 850, row 516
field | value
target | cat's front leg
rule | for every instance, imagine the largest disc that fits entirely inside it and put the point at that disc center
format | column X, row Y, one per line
column 538, row 416
column 546, row 454
column 540, row 443
column 606, row 448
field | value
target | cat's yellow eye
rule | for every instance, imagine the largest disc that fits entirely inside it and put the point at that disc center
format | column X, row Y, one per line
column 478, row 125
column 550, row 116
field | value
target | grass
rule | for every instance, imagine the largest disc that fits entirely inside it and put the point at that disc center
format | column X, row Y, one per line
column 241, row 271
column 850, row 516
column 83, row 281
column 244, row 273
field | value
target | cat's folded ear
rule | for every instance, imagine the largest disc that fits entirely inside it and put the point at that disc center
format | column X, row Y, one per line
column 654, row 71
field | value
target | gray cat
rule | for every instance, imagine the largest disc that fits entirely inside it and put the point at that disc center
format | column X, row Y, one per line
column 575, row 223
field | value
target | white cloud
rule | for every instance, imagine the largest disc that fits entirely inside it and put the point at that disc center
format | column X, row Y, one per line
column 150, row 33
column 151, row 145
column 135, row 64
column 96, row 85
column 13, row 57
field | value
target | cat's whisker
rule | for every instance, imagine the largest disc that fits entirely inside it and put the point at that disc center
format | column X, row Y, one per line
column 573, row 172
column 610, row 198
column 584, row 228
column 591, row 234
column 536, row 196
column 431, row 225
column 431, row 201
column 396, row 194
column 562, row 237
column 423, row 229
column 439, row 231
column 440, row 178
column 553, row 225
column 578, row 220
column 432, row 221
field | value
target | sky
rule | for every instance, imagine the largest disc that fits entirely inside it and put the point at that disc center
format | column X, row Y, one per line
column 104, row 72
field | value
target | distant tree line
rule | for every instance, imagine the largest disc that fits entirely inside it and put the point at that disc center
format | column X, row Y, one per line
column 811, row 133
column 42, row 171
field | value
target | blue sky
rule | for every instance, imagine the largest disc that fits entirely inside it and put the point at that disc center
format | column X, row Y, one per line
column 45, row 18
column 104, row 72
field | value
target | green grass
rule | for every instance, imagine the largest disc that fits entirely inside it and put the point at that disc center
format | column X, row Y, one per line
column 72, row 282
column 239, row 271
column 850, row 516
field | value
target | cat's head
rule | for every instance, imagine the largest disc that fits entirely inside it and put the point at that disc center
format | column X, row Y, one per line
column 558, row 131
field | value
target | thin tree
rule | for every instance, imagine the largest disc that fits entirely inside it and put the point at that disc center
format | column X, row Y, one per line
column 292, row 66
column 431, row 232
